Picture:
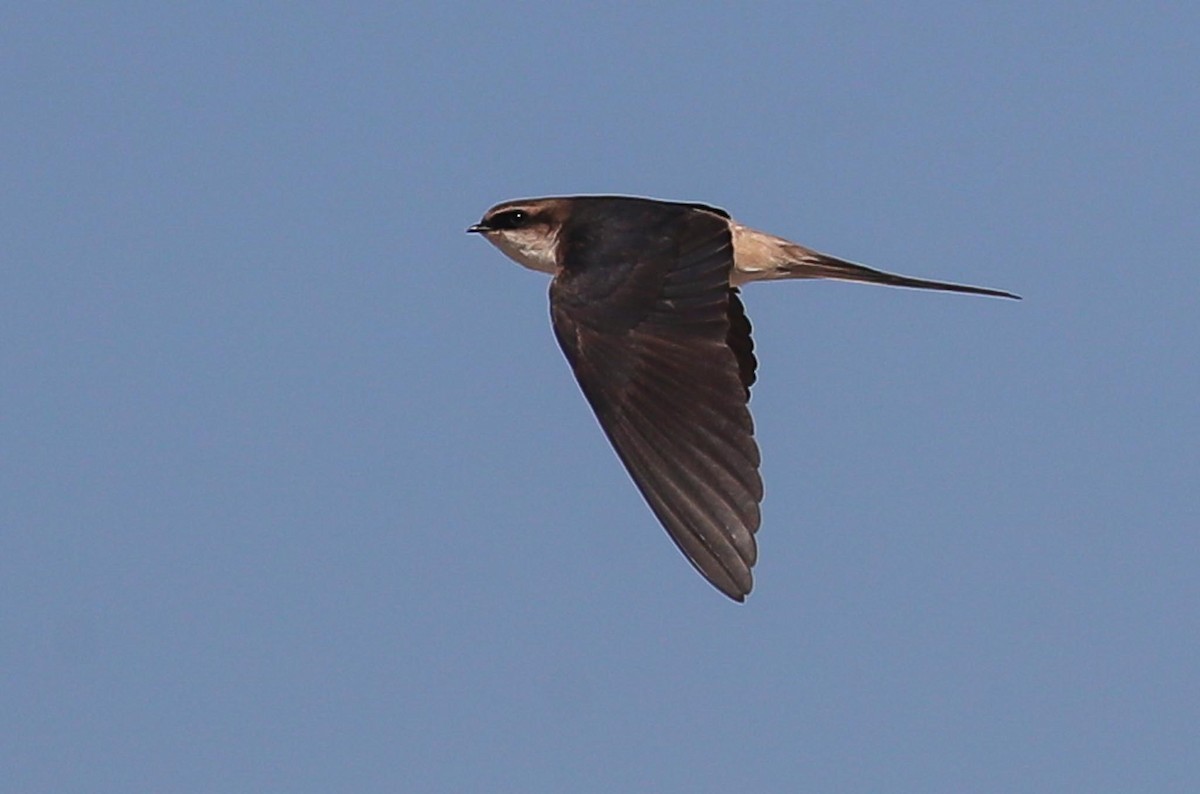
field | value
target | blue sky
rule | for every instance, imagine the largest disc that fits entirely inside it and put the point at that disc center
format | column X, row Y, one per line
column 298, row 494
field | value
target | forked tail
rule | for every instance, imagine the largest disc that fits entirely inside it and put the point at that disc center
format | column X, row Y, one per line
column 811, row 264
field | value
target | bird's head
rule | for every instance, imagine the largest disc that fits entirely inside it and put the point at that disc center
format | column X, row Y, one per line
column 526, row 230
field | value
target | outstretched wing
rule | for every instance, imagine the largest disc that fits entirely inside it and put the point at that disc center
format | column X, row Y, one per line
column 661, row 348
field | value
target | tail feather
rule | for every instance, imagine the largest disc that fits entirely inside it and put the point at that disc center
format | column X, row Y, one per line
column 761, row 256
column 814, row 265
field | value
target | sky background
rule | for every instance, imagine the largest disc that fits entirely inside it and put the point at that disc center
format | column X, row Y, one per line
column 298, row 494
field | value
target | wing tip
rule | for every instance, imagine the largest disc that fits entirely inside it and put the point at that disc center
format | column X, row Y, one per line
column 735, row 585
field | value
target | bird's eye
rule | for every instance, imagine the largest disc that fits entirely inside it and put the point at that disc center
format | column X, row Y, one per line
column 509, row 219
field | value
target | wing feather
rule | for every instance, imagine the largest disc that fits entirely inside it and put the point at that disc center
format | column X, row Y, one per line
column 661, row 348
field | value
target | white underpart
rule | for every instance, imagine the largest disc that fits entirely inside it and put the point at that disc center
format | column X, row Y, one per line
column 758, row 256
column 531, row 248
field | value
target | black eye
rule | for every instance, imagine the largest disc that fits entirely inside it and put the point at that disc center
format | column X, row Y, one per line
column 509, row 219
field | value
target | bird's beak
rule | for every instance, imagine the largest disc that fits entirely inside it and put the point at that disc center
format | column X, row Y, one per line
column 478, row 228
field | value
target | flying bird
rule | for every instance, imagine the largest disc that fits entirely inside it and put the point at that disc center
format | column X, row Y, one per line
column 644, row 303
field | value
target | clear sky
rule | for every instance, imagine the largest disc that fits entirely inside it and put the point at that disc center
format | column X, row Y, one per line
column 298, row 494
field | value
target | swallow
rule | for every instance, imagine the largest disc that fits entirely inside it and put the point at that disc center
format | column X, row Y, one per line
column 645, row 305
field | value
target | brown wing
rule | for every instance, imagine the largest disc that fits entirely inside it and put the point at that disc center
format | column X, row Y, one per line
column 661, row 348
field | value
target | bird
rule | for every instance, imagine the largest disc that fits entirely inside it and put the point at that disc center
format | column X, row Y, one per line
column 645, row 304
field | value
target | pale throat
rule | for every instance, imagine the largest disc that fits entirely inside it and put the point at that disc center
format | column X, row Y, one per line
column 534, row 251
